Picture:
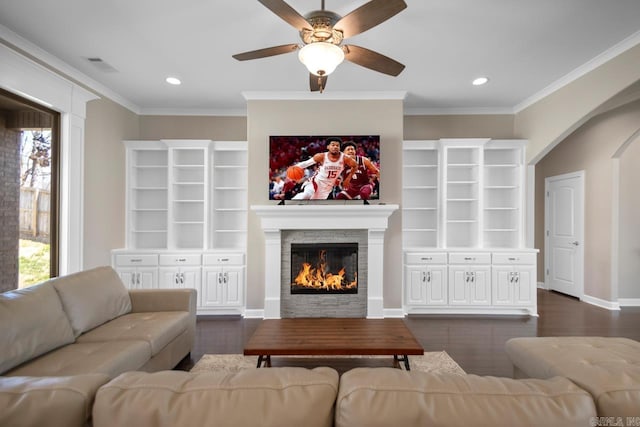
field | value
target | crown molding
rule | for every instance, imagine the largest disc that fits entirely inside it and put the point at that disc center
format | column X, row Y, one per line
column 587, row 67
column 325, row 96
column 458, row 111
column 240, row 112
column 25, row 47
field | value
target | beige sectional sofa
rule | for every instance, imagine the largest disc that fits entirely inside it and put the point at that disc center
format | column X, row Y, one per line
column 63, row 339
column 82, row 350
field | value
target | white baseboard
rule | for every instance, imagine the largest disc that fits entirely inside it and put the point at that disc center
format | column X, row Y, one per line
column 542, row 285
column 254, row 314
column 629, row 302
column 609, row 305
column 393, row 312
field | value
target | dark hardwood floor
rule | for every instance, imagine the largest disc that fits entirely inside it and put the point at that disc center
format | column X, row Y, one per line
column 475, row 342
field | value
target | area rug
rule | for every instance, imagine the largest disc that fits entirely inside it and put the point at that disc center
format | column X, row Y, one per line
column 435, row 361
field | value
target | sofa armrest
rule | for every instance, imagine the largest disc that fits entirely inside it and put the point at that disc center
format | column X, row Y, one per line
column 48, row 401
column 150, row 300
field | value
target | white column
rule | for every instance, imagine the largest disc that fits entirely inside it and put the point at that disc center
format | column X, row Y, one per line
column 272, row 266
column 375, row 271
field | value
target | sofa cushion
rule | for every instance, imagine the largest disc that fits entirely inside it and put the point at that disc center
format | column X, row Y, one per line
column 33, row 323
column 158, row 329
column 254, row 397
column 391, row 397
column 92, row 297
column 48, row 401
column 608, row 368
column 109, row 358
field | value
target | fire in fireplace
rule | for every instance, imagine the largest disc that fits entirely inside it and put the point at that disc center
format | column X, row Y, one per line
column 324, row 268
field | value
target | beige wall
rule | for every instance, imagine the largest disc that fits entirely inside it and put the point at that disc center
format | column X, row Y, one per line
column 193, row 127
column 463, row 126
column 590, row 148
column 107, row 125
column 629, row 223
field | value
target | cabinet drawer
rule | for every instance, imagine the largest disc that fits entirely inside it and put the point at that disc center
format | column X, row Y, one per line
column 135, row 260
column 180, row 259
column 514, row 258
column 470, row 258
column 426, row 258
column 223, row 259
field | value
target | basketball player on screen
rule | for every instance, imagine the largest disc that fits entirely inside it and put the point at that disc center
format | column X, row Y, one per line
column 360, row 186
column 330, row 166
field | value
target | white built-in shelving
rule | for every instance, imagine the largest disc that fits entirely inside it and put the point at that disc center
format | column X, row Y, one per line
column 463, row 223
column 186, row 204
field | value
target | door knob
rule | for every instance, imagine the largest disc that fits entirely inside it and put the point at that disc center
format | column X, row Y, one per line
column 575, row 243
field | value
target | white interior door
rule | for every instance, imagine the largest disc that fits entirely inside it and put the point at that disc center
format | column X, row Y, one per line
column 564, row 233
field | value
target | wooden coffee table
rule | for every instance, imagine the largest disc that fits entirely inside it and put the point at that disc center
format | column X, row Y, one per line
column 332, row 337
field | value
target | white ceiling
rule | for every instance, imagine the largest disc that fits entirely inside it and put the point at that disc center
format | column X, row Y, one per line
column 523, row 46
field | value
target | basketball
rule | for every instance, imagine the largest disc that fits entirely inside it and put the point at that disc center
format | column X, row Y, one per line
column 295, row 172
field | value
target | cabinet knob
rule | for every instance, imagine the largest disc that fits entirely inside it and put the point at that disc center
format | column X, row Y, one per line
column 468, row 258
column 223, row 259
column 135, row 260
column 427, row 258
column 181, row 260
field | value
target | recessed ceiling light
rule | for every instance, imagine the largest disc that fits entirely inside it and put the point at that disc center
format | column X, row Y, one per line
column 480, row 81
column 173, row 81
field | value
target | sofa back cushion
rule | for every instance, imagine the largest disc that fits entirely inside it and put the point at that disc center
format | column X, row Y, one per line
column 32, row 322
column 253, row 397
column 92, row 297
column 386, row 396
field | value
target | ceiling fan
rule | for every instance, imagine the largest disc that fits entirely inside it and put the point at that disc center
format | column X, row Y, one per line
column 323, row 31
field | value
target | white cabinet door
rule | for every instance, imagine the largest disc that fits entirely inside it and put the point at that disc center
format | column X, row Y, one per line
column 427, row 285
column 436, row 285
column 469, row 285
column 233, row 292
column 525, row 285
column 148, row 278
column 480, row 286
column 223, row 287
column 416, row 286
column 179, row 277
column 502, row 284
column 458, row 285
column 513, row 285
column 211, row 295
column 138, row 278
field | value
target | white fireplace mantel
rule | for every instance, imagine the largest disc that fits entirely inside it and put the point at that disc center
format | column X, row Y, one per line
column 275, row 218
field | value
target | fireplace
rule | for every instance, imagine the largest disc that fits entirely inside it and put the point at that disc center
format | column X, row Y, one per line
column 283, row 225
column 324, row 268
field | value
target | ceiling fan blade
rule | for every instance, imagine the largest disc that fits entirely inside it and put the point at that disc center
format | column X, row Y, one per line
column 368, row 16
column 268, row 51
column 317, row 83
column 372, row 60
column 286, row 12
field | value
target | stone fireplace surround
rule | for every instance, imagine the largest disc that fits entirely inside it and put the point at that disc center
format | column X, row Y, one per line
column 372, row 218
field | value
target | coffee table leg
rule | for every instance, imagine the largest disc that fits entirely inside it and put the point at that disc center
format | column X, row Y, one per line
column 264, row 359
column 404, row 358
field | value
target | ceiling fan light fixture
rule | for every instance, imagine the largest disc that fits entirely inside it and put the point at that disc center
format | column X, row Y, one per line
column 321, row 58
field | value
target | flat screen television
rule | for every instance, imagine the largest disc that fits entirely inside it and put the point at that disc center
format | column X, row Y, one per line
column 324, row 167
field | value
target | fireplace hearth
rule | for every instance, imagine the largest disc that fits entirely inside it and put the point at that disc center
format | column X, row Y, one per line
column 324, row 268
